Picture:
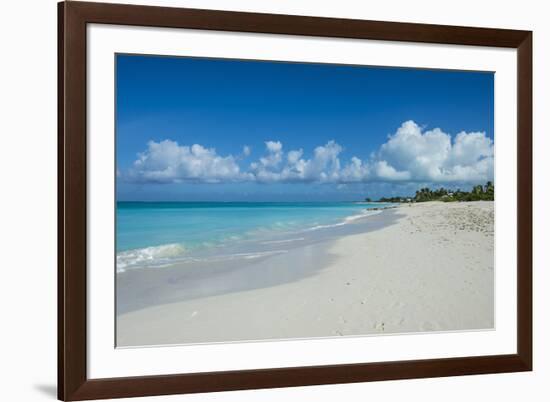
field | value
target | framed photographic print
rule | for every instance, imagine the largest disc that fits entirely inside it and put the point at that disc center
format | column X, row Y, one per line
column 253, row 200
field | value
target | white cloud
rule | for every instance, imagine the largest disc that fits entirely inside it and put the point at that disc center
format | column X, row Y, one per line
column 274, row 154
column 387, row 172
column 355, row 171
column 274, row 146
column 167, row 161
column 324, row 166
column 433, row 155
column 470, row 148
column 411, row 154
column 294, row 156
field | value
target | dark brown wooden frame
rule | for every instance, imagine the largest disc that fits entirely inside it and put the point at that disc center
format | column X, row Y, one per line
column 73, row 383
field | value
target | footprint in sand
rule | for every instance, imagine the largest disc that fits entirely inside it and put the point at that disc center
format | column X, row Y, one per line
column 380, row 326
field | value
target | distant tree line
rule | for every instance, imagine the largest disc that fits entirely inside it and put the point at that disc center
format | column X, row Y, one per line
column 478, row 193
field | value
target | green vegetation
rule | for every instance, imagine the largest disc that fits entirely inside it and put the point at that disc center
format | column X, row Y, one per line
column 478, row 193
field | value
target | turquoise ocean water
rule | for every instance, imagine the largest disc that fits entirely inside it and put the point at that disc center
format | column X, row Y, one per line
column 152, row 234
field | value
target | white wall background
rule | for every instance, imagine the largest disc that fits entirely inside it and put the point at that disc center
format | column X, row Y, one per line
column 28, row 198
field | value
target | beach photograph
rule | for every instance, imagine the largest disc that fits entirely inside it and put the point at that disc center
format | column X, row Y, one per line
column 269, row 200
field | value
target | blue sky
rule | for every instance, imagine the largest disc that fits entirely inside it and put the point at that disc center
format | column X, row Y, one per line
column 256, row 127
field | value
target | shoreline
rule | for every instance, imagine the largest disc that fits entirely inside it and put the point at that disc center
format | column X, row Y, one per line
column 244, row 240
column 147, row 287
column 357, row 284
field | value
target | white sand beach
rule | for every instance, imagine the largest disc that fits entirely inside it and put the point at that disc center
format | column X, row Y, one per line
column 427, row 267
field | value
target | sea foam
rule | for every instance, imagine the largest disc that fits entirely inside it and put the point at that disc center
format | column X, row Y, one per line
column 364, row 213
column 148, row 256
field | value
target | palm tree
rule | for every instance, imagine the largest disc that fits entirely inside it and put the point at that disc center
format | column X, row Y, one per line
column 489, row 188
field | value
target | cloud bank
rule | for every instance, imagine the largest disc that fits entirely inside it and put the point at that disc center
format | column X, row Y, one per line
column 410, row 154
column 168, row 162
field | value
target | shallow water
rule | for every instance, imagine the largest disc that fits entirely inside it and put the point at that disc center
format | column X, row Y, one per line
column 152, row 235
column 239, row 267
